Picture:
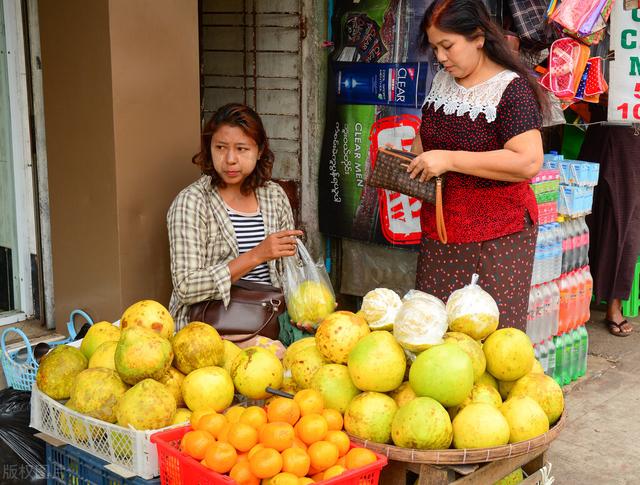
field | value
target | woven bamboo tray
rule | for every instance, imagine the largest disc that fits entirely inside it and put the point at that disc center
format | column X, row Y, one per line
column 466, row 456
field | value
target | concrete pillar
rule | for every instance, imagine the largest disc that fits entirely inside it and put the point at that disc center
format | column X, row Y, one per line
column 122, row 102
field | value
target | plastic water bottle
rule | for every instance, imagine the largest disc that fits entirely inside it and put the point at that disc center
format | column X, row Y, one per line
column 540, row 315
column 576, row 361
column 551, row 352
column 555, row 308
column 588, row 290
column 584, row 242
column 531, row 315
column 563, row 313
column 557, row 372
column 557, row 252
column 546, row 295
column 584, row 350
column 580, row 297
column 572, row 294
column 543, row 356
column 564, row 230
column 567, row 350
column 587, row 241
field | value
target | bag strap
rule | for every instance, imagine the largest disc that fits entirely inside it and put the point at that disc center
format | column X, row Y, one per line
column 440, row 226
column 244, row 338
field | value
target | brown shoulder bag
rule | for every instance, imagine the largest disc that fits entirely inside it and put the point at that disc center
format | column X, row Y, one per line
column 253, row 310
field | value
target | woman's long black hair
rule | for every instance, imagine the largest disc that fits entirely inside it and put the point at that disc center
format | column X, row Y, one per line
column 471, row 19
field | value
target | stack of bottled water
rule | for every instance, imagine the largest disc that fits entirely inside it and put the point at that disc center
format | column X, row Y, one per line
column 561, row 281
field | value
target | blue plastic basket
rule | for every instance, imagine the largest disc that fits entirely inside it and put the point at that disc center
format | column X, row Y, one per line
column 69, row 465
column 20, row 366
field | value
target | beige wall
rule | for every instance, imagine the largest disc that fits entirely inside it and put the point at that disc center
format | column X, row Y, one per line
column 121, row 90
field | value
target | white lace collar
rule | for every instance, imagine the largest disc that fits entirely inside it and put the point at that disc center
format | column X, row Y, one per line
column 481, row 98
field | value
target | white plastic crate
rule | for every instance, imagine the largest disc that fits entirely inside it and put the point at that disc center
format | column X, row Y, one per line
column 126, row 448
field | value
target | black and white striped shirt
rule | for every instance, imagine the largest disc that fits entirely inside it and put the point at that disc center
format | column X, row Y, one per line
column 249, row 228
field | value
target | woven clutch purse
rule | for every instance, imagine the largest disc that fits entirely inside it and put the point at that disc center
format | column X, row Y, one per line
column 390, row 173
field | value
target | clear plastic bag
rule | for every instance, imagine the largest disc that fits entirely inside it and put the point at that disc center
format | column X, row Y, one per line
column 380, row 307
column 473, row 311
column 414, row 294
column 420, row 323
column 307, row 289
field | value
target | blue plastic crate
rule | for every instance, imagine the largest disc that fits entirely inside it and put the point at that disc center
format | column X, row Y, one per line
column 69, row 465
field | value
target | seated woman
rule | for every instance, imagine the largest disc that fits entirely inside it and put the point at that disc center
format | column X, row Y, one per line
column 233, row 222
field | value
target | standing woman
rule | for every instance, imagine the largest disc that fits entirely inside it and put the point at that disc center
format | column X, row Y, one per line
column 481, row 128
column 233, row 222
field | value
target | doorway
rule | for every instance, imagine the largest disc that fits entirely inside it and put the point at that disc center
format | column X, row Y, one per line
column 19, row 274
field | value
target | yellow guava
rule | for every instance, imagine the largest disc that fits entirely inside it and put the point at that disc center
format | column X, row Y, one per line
column 525, row 417
column 377, row 363
column 253, row 370
column 422, row 424
column 104, row 356
column 98, row 334
column 480, row 425
column 58, row 370
column 509, row 354
column 208, row 388
column 369, row 416
column 338, row 334
column 334, row 383
column 149, row 314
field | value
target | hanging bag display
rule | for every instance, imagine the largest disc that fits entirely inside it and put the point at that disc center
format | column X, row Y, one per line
column 390, row 173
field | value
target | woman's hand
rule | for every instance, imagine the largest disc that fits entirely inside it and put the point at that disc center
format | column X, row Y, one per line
column 430, row 164
column 277, row 245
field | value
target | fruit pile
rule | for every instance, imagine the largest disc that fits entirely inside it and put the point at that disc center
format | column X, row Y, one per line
column 398, row 376
column 289, row 442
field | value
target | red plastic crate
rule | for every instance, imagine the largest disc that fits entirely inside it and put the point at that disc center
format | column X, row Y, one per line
column 178, row 468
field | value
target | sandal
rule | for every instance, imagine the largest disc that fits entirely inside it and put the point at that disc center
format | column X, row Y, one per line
column 617, row 328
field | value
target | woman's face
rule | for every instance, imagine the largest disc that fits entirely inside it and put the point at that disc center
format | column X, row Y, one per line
column 459, row 56
column 234, row 154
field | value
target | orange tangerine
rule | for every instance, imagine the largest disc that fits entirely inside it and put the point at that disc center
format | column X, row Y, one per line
column 317, row 477
column 241, row 473
column 224, row 432
column 284, row 478
column 195, row 443
column 334, row 419
column 333, row 471
column 242, row 436
column 233, row 413
column 243, row 457
column 296, row 461
column 323, row 455
column 298, row 443
column 342, row 461
column 311, row 428
column 212, row 422
column 283, row 409
column 253, row 450
column 220, row 457
column 310, row 401
column 340, row 439
column 254, row 416
column 278, row 435
column 266, row 463
column 305, row 481
column 196, row 415
column 359, row 457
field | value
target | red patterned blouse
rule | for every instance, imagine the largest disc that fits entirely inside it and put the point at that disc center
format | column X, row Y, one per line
column 478, row 119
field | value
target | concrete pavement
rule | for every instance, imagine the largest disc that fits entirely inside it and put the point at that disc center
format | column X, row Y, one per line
column 599, row 445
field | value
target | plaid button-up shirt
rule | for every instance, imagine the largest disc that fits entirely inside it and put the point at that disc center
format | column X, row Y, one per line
column 202, row 241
